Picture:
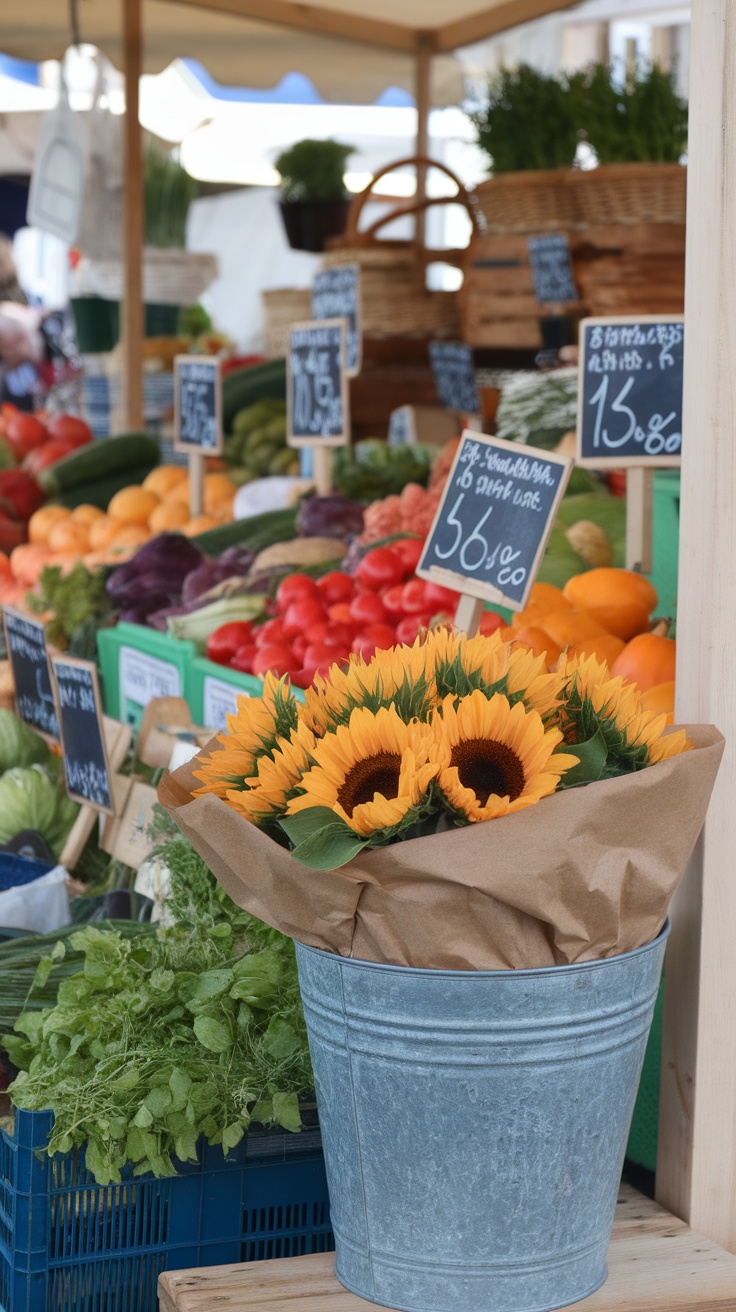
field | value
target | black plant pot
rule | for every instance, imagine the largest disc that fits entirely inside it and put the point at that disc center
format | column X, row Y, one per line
column 558, row 330
column 309, row 223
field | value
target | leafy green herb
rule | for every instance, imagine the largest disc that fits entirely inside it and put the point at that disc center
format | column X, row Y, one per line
column 80, row 605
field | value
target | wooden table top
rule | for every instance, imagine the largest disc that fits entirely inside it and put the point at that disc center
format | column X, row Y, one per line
column 656, row 1264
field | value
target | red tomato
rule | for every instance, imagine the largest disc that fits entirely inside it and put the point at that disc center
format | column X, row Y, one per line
column 48, row 454
column 392, row 599
column 299, row 646
column 300, row 614
column 227, row 640
column 301, row 678
column 243, row 658
column 270, row 632
column 335, row 586
column 363, row 646
column 380, row 569
column 340, row 636
column 340, row 612
column 295, row 587
column 490, row 620
column 409, row 551
column 24, row 433
column 367, row 608
column 277, row 657
column 69, row 428
column 408, row 629
column 413, row 596
column 319, row 660
column 384, row 635
column 439, row 597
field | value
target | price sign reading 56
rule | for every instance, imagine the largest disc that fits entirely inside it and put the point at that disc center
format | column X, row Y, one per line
column 492, row 525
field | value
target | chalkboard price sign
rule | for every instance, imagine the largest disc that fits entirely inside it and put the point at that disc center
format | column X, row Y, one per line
column 630, row 393
column 82, row 737
column 454, row 376
column 336, row 295
column 317, row 407
column 197, row 404
column 496, row 514
column 551, row 267
column 25, row 640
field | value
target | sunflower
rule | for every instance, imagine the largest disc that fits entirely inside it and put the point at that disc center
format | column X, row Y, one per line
column 374, row 772
column 251, row 733
column 397, row 677
column 494, row 758
column 593, row 702
column 265, row 797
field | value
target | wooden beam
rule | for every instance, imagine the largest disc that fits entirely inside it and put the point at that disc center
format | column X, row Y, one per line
column 132, row 308
column 510, row 13
column 311, row 18
column 423, row 98
column 696, row 1169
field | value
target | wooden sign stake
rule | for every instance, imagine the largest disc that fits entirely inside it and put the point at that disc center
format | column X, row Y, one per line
column 639, row 515
column 322, row 469
column 468, row 613
column 197, row 418
column 196, row 483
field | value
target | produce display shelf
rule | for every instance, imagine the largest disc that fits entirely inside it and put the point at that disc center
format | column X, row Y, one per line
column 655, row 1262
column 138, row 664
column 68, row 1244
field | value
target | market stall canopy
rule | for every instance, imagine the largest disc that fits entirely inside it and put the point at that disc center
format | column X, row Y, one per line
column 350, row 49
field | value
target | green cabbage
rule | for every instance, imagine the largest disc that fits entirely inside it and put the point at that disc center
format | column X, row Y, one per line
column 29, row 800
column 19, row 744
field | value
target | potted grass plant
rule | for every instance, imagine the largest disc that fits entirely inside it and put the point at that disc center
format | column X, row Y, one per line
column 314, row 204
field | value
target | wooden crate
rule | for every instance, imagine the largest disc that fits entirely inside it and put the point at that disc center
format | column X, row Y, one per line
column 497, row 302
column 656, row 1264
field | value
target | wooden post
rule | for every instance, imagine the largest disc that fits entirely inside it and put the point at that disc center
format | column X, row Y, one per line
column 639, row 510
column 423, row 97
column 468, row 613
column 132, row 307
column 696, row 1168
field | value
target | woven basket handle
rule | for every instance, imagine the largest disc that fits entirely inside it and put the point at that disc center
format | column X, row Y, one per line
column 353, row 237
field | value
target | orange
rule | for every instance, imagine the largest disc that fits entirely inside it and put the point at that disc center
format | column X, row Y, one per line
column 217, row 487
column 222, row 512
column 131, row 535
column 41, row 523
column 647, row 660
column 68, row 537
column 164, row 479
column 569, row 627
column 538, row 641
column 167, row 517
column 85, row 514
column 201, row 524
column 605, row 648
column 180, row 492
column 133, row 505
column 661, row 698
column 102, row 532
column 622, row 599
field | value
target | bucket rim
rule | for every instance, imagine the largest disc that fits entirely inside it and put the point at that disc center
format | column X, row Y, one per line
column 525, row 973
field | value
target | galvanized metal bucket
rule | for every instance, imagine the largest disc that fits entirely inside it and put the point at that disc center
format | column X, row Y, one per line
column 474, row 1124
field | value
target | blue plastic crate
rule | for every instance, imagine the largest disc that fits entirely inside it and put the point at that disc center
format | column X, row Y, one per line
column 68, row 1244
column 16, row 870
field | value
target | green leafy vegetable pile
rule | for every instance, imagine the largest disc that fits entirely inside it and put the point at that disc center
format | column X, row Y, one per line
column 80, row 605
column 372, row 469
column 194, row 1031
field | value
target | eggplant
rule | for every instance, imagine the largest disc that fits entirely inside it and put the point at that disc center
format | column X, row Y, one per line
column 172, row 555
column 329, row 517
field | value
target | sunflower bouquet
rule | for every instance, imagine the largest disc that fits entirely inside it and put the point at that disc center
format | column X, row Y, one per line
column 449, row 732
column 354, row 821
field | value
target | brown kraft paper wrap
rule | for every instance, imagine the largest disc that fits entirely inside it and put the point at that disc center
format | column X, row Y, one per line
column 586, row 873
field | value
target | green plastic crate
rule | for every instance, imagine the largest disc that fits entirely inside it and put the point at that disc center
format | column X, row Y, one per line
column 666, row 534
column 214, row 692
column 138, row 664
column 642, row 1146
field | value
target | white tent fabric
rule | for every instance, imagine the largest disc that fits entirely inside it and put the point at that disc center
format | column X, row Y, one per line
column 350, row 49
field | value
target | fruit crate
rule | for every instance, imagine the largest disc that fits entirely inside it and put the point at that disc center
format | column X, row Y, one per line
column 138, row 664
column 68, row 1244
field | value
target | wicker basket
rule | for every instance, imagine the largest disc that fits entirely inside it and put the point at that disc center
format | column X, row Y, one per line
column 282, row 308
column 631, row 193
column 394, row 299
column 534, row 201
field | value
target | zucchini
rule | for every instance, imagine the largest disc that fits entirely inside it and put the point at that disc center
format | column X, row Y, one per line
column 101, row 459
column 243, row 387
column 256, row 532
column 100, row 491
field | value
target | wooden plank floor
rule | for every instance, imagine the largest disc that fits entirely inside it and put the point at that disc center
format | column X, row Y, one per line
column 656, row 1264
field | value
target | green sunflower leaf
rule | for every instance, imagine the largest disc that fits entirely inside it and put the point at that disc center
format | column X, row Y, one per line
column 325, row 843
column 592, row 756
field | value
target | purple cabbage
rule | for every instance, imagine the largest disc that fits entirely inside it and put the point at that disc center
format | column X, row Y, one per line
column 329, row 517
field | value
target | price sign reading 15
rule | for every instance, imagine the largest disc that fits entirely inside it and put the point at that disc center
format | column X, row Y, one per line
column 630, row 394
column 496, row 514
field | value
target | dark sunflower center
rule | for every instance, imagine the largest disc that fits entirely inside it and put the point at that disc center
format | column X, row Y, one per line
column 377, row 774
column 485, row 766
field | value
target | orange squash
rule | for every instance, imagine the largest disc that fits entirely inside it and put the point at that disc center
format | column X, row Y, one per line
column 647, row 660
column 131, row 535
column 67, row 537
column 605, row 648
column 544, row 599
column 133, row 505
column 41, row 523
column 86, row 514
column 102, row 532
column 168, row 517
column 537, row 641
column 567, row 628
column 164, row 479
column 661, row 699
column 620, row 598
